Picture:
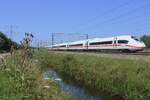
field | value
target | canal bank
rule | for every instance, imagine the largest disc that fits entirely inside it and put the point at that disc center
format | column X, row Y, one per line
column 126, row 79
column 74, row 90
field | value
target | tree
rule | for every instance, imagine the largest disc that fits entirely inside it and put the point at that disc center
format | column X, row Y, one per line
column 146, row 40
column 6, row 43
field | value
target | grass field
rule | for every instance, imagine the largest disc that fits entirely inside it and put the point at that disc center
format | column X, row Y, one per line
column 20, row 81
column 128, row 79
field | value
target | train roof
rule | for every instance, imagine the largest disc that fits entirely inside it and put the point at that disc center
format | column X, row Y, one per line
column 96, row 39
column 109, row 38
column 60, row 44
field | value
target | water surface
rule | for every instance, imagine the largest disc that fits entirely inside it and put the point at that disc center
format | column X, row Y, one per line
column 71, row 89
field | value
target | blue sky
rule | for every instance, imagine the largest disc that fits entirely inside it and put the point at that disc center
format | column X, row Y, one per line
column 98, row 18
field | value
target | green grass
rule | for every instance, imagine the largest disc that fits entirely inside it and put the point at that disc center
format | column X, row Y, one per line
column 129, row 79
column 25, row 82
column 147, row 49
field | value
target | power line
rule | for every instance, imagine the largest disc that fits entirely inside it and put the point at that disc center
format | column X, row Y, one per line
column 135, row 18
column 105, row 13
column 53, row 38
column 10, row 30
column 135, row 21
column 122, row 15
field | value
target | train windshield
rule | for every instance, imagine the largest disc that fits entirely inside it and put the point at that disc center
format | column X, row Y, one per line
column 135, row 38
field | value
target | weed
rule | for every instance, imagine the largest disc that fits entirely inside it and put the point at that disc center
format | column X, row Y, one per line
column 128, row 79
column 22, row 77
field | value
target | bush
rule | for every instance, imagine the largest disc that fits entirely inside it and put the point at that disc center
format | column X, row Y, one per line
column 6, row 43
column 146, row 40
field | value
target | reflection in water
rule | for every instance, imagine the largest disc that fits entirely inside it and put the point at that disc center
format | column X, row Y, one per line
column 77, row 92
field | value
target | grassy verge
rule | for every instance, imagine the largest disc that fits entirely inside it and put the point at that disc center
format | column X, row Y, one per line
column 24, row 81
column 128, row 79
column 147, row 49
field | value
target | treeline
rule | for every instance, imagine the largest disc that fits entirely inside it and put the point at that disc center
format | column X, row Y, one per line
column 146, row 40
column 6, row 44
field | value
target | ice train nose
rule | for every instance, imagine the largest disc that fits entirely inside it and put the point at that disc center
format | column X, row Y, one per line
column 143, row 45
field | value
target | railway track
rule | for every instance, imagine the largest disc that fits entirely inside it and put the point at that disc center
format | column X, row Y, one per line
column 114, row 53
column 123, row 53
column 137, row 53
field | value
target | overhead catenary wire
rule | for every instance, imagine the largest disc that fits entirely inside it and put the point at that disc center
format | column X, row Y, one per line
column 120, row 16
column 114, row 19
column 98, row 17
column 122, row 5
column 135, row 21
column 105, row 13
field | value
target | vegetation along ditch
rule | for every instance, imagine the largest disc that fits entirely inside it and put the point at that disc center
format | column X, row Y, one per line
column 118, row 78
column 21, row 77
column 77, row 92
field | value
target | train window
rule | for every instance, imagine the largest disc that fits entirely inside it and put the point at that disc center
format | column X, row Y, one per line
column 106, row 42
column 62, row 46
column 55, row 46
column 76, row 45
column 122, row 41
column 59, row 46
column 136, row 39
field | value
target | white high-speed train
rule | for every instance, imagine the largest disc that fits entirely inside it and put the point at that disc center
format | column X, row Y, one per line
column 120, row 43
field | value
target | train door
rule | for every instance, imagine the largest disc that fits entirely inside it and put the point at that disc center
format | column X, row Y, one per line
column 67, row 46
column 115, row 42
column 87, row 44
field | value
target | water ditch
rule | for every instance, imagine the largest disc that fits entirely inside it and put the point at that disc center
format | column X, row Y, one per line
column 77, row 92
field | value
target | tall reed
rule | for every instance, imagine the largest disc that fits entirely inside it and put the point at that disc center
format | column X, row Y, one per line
column 128, row 79
column 21, row 77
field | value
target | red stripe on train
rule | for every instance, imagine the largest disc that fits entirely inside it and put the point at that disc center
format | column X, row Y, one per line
column 99, row 45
